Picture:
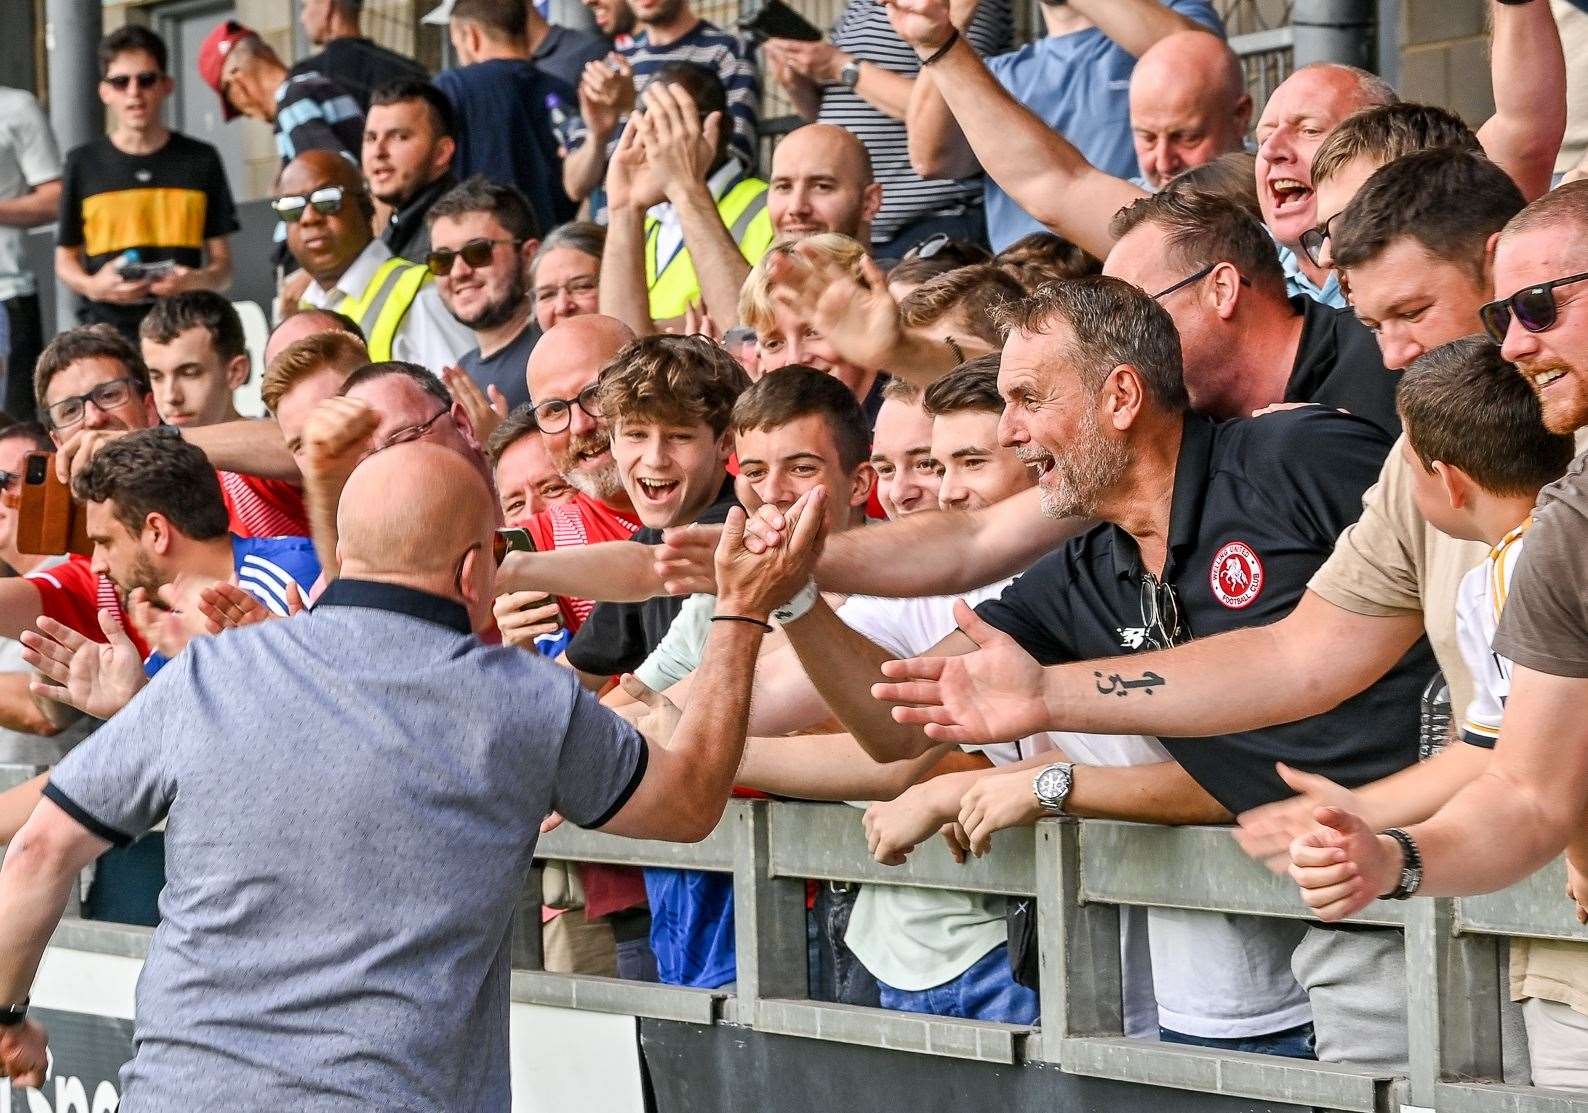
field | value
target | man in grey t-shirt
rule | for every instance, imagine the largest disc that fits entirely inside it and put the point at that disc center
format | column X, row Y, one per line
column 352, row 800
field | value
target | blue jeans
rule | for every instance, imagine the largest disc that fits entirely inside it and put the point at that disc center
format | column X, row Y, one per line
column 987, row 991
column 1293, row 1043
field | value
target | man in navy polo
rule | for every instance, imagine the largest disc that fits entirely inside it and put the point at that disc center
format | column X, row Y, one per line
column 1203, row 528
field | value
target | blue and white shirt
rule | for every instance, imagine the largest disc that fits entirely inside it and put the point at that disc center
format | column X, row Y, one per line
column 266, row 567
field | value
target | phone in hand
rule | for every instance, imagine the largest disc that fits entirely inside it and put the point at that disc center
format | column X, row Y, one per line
column 137, row 272
column 773, row 19
column 50, row 521
column 511, row 540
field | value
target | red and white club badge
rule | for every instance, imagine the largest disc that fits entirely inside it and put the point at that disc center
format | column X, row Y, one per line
column 1237, row 575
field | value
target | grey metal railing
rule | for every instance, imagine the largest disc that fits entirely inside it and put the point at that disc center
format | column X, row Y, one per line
column 1080, row 874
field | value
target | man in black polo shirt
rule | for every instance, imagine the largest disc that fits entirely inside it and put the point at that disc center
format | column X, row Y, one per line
column 1203, row 528
column 668, row 399
column 1245, row 344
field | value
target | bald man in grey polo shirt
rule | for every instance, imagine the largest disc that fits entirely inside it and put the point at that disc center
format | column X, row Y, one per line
column 352, row 800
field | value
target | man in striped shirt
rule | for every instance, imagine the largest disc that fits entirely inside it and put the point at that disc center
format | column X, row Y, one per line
column 666, row 31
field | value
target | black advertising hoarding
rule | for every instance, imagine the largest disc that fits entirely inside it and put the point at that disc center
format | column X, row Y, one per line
column 86, row 1057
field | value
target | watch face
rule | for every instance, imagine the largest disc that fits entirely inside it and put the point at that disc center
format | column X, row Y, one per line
column 1050, row 782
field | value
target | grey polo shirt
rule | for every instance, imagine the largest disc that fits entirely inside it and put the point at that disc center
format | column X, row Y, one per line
column 353, row 798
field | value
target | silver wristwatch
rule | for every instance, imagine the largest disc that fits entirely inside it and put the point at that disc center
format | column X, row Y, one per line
column 849, row 76
column 1051, row 786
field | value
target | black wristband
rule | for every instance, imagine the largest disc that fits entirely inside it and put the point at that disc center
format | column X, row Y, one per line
column 12, row 1015
column 1410, row 878
column 766, row 627
column 948, row 44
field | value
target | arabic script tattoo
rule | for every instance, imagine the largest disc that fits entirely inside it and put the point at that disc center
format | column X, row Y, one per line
column 1121, row 686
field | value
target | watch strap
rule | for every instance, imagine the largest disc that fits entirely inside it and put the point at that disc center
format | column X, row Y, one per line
column 799, row 606
column 11, row 1015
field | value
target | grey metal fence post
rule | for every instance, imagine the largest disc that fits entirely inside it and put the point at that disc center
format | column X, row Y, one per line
column 1077, row 945
column 1334, row 31
column 1452, row 1005
column 769, row 916
column 71, row 35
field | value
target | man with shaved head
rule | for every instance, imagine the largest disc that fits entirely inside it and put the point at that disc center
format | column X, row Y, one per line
column 369, row 754
column 1059, row 187
column 822, row 181
column 322, row 201
column 1076, row 84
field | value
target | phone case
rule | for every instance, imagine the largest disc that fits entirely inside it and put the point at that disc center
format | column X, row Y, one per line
column 50, row 521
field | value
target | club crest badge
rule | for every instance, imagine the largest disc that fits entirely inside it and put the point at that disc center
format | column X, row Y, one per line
column 1237, row 575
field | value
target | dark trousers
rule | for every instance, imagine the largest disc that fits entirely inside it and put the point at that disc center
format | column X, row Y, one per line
column 835, row 973
column 27, row 341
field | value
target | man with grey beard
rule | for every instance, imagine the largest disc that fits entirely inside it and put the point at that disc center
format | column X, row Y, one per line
column 561, row 375
column 1200, row 528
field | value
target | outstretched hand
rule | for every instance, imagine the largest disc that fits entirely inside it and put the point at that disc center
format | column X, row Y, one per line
column 486, row 409
column 924, row 24
column 97, row 679
column 685, row 561
column 661, row 715
column 856, row 315
column 754, row 583
column 991, row 695
column 1342, row 865
column 1267, row 832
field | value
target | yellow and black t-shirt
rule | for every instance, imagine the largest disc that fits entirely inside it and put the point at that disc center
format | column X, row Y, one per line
column 163, row 205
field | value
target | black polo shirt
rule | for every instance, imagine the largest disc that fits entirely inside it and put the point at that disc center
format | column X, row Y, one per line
column 617, row 637
column 1338, row 364
column 1257, row 506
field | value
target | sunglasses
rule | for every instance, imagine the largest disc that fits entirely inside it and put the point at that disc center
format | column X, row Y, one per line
column 1313, row 239
column 146, row 80
column 1160, row 614
column 325, row 200
column 476, row 253
column 1533, row 307
column 1190, row 278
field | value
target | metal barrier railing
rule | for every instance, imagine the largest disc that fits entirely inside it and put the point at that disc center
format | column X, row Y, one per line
column 1080, row 873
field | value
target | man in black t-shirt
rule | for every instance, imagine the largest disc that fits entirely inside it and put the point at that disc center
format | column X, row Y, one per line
column 360, row 65
column 1245, row 344
column 669, row 399
column 145, row 211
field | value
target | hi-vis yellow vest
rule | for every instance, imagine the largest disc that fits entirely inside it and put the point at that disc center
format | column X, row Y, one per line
column 381, row 307
column 743, row 212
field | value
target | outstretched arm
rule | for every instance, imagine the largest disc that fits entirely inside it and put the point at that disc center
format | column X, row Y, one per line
column 1201, row 689
column 610, row 572
column 41, row 864
column 1045, row 174
column 1535, row 790
column 693, row 760
column 1524, row 134
column 835, row 767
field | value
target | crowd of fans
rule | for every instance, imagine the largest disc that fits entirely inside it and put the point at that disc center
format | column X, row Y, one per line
column 1178, row 453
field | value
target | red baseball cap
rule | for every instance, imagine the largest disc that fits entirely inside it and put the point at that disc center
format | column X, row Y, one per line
column 212, row 58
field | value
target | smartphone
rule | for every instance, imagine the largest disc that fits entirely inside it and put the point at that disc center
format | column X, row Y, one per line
column 50, row 521
column 137, row 272
column 773, row 19
column 512, row 540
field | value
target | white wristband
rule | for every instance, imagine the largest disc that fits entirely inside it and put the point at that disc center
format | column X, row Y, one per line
column 799, row 606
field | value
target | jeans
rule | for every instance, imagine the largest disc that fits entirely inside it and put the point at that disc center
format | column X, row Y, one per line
column 987, row 991
column 835, row 973
column 1293, row 1043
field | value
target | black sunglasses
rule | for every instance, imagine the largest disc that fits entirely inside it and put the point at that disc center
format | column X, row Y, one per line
column 476, row 253
column 148, row 79
column 1313, row 239
column 325, row 200
column 1533, row 307
column 1160, row 614
column 1197, row 277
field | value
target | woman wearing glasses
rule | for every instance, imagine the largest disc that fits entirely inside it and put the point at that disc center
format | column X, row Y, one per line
column 145, row 211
